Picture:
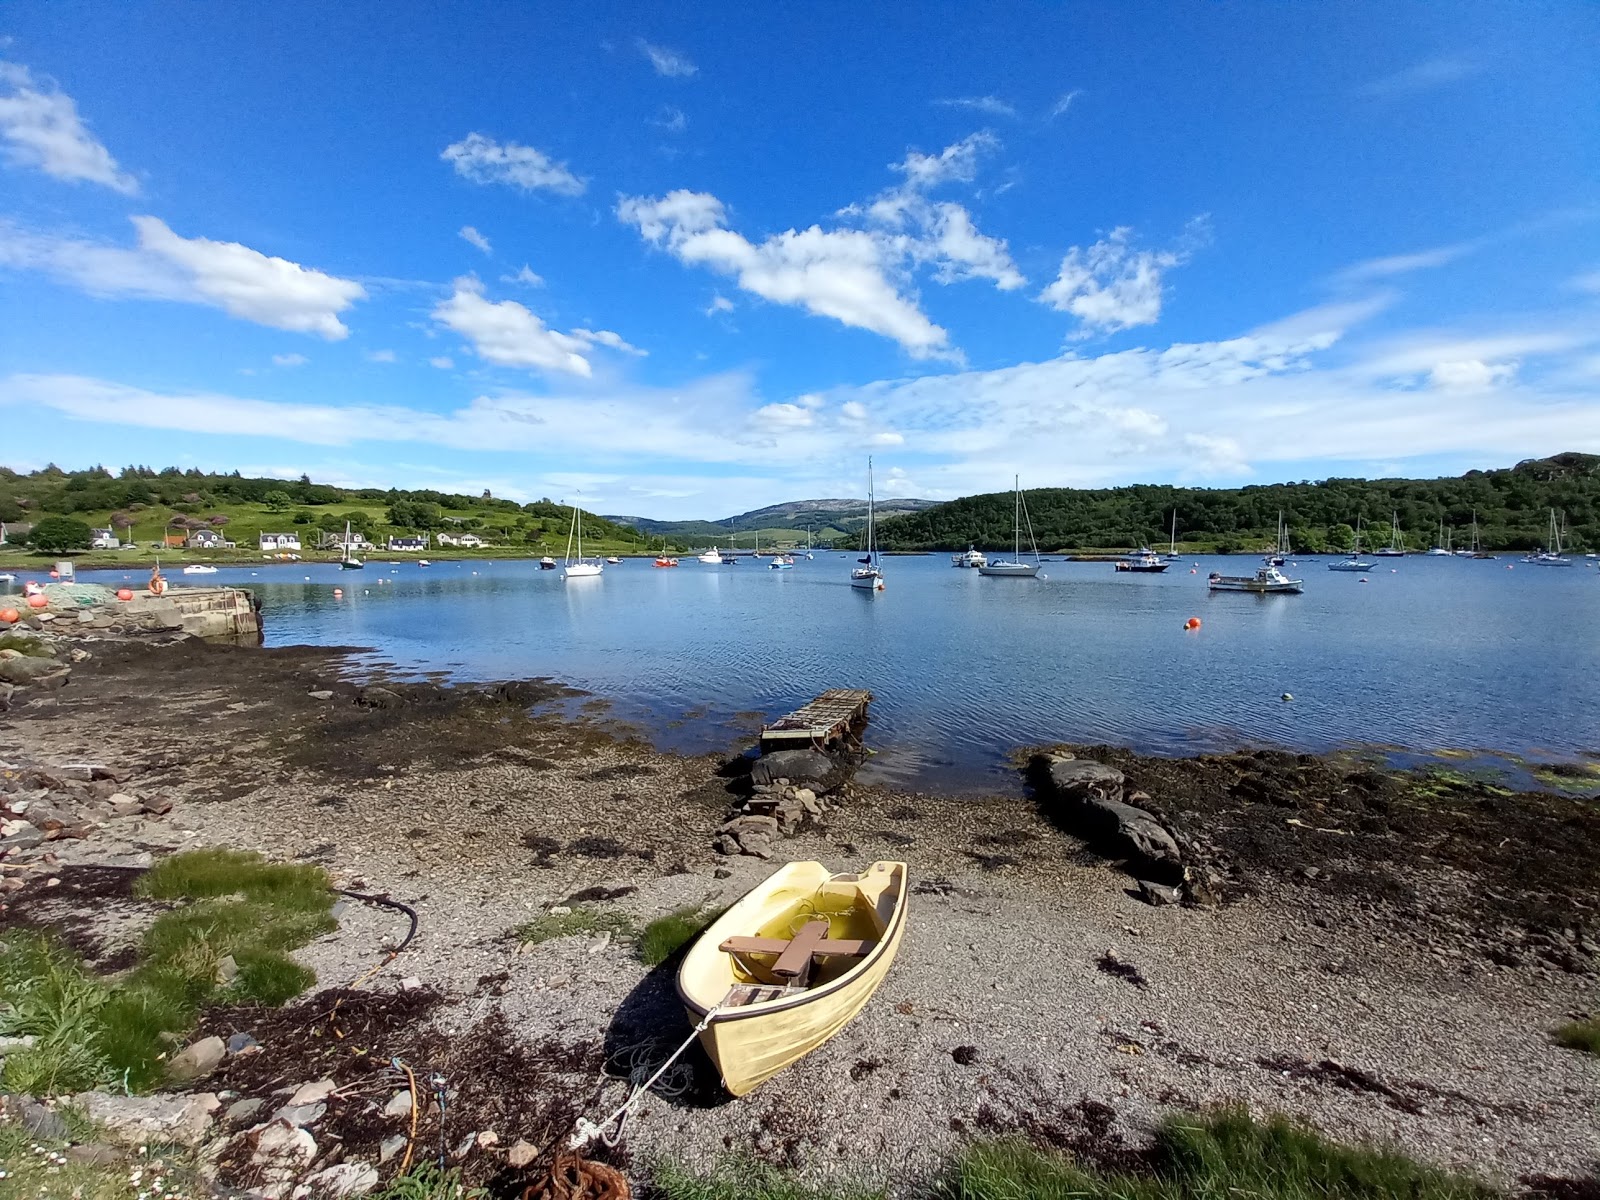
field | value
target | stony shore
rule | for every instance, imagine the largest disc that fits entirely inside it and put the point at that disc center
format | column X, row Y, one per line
column 1382, row 955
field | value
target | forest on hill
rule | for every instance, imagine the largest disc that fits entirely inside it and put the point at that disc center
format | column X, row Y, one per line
column 1512, row 507
column 826, row 519
column 144, row 505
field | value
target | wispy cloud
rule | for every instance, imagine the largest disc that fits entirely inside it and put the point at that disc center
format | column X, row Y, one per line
column 524, row 278
column 666, row 62
column 1423, row 76
column 484, row 160
column 1063, row 104
column 1393, row 265
column 511, row 335
column 382, row 356
column 472, row 237
column 40, row 128
column 671, row 119
column 289, row 360
column 992, row 105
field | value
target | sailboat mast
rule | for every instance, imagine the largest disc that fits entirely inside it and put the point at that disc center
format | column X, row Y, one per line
column 1016, row 518
column 872, row 532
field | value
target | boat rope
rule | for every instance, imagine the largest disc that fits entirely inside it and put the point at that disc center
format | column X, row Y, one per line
column 585, row 1131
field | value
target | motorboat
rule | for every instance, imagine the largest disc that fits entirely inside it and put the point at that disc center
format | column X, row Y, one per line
column 1015, row 568
column 422, row 562
column 1266, row 581
column 1142, row 560
column 712, row 557
column 781, row 562
column 613, row 560
column 664, row 561
column 199, row 569
column 547, row 563
column 969, row 558
column 790, row 964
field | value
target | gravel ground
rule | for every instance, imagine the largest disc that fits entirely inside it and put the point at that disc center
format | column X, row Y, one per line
column 1011, row 1002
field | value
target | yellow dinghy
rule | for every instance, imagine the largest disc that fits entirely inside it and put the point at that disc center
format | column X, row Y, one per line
column 786, row 967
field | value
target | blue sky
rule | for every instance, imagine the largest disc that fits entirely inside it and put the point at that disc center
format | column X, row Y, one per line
column 690, row 265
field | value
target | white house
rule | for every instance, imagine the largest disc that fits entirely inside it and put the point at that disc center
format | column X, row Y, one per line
column 465, row 539
column 104, row 539
column 205, row 539
column 409, row 543
column 280, row 541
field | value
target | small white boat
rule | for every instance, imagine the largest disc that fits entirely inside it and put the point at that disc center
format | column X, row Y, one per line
column 1015, row 568
column 199, row 570
column 613, row 559
column 781, row 562
column 1142, row 560
column 1267, row 580
column 547, row 563
column 712, row 557
column 969, row 558
column 868, row 577
column 1441, row 548
column 579, row 568
column 422, row 562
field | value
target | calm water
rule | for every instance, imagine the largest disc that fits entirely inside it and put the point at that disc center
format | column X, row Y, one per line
column 1432, row 654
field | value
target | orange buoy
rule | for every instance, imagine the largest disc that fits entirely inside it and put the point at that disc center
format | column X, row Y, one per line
column 1192, row 571
column 38, row 600
column 10, row 616
column 124, row 593
column 338, row 591
column 1192, row 624
column 54, row 574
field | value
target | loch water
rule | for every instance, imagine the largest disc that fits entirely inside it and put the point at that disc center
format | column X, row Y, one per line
column 1419, row 655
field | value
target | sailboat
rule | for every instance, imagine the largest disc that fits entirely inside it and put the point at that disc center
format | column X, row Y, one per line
column 1280, row 551
column 1354, row 562
column 1397, row 541
column 347, row 560
column 869, row 576
column 1441, row 548
column 576, row 568
column 1477, row 550
column 1016, row 568
column 1551, row 557
column 1172, row 546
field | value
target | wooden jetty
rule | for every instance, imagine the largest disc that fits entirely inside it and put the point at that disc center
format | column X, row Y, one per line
column 836, row 717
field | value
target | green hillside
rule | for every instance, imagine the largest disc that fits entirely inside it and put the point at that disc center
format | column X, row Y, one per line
column 144, row 506
column 1512, row 505
column 828, row 520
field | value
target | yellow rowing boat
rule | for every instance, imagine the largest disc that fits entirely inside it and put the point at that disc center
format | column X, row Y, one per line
column 787, row 966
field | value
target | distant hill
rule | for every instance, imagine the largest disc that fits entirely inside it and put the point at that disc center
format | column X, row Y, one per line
column 1512, row 505
column 826, row 518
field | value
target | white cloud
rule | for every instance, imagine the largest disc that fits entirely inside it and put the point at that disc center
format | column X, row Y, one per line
column 289, row 360
column 382, row 356
column 1471, row 375
column 1422, row 76
column 525, row 277
column 961, row 252
column 719, row 304
column 484, row 160
column 474, row 238
column 1392, row 265
column 1063, row 104
column 785, row 416
column 841, row 274
column 992, row 105
column 957, row 162
column 666, row 62
column 510, row 335
column 443, row 361
column 1110, row 286
column 164, row 266
column 41, row 128
column 672, row 120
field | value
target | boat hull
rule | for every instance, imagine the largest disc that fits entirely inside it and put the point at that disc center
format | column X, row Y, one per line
column 1290, row 588
column 1349, row 566
column 582, row 570
column 1009, row 570
column 1142, row 568
column 752, row 1043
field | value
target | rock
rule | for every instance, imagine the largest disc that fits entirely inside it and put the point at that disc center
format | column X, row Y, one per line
column 156, row 806
column 49, row 818
column 283, row 1144
column 139, row 1120
column 399, row 1106
column 749, row 824
column 242, row 1043
column 379, row 697
column 965, row 1055
column 810, row 768
column 43, row 1123
column 197, row 1060
column 725, row 844
column 1200, row 888
column 24, row 839
column 321, row 694
column 301, row 1115
column 53, row 681
column 96, row 1154
column 124, row 805
column 808, row 801
column 488, row 1138
column 227, row 972
column 1158, row 894
column 521, row 1154
column 755, row 846
column 311, row 1093
column 1079, row 779
column 241, row 1111
column 722, row 873
column 412, row 984
column 1091, row 805
column 26, row 668
column 346, row 1179
column 390, row 1146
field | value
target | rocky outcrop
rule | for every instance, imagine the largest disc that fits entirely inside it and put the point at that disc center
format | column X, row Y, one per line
column 801, row 768
column 1091, row 800
column 140, row 1120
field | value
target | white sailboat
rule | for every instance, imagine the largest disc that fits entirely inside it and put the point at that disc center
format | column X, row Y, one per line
column 1016, row 568
column 1354, row 562
column 1551, row 556
column 1441, row 548
column 869, row 576
column 347, row 559
column 1172, row 546
column 1397, row 541
column 577, row 568
column 1280, row 549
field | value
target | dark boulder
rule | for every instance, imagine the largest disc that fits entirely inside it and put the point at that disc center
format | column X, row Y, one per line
column 810, row 768
column 1086, row 798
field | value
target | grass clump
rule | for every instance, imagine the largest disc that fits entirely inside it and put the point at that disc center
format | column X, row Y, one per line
column 665, row 936
column 31, row 1169
column 92, row 1031
column 428, row 1182
column 578, row 922
column 1580, row 1035
column 1218, row 1156
column 743, row 1179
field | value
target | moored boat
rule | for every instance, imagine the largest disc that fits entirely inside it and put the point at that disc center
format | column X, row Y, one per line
column 1397, row 540
column 1551, row 556
column 969, row 558
column 198, row 569
column 1266, row 581
column 547, row 563
column 1143, row 560
column 868, row 577
column 781, row 562
column 790, row 964
column 579, row 568
column 712, row 557
column 1015, row 568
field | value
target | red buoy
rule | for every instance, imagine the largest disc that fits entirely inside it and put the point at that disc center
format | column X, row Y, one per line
column 1192, row 624
column 10, row 616
column 124, row 593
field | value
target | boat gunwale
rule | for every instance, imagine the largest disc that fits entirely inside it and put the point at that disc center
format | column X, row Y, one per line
column 749, row 1011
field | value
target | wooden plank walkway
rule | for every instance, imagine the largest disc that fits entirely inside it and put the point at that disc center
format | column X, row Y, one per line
column 836, row 715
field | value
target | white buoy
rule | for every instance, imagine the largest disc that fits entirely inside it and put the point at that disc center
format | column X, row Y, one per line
column 1287, row 696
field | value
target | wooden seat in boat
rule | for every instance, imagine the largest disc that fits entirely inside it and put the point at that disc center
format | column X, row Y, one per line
column 796, row 954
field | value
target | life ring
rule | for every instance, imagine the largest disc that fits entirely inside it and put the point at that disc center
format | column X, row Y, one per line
column 158, row 585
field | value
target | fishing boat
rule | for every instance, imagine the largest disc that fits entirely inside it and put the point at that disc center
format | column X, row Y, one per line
column 1143, row 560
column 781, row 562
column 547, row 563
column 711, row 557
column 1267, row 580
column 197, row 569
column 347, row 560
column 578, row 568
column 1015, row 568
column 1551, row 556
column 1354, row 562
column 1397, row 540
column 790, row 964
column 868, row 577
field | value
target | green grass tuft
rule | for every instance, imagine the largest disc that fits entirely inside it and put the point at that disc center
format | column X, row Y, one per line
column 665, row 936
column 578, row 922
column 45, row 993
column 743, row 1179
column 428, row 1182
column 1580, row 1035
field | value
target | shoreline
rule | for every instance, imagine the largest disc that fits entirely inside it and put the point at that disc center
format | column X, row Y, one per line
column 1355, row 925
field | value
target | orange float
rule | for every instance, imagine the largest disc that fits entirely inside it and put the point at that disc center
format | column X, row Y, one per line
column 1192, row 624
column 10, row 616
column 124, row 593
column 38, row 600
column 55, row 574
